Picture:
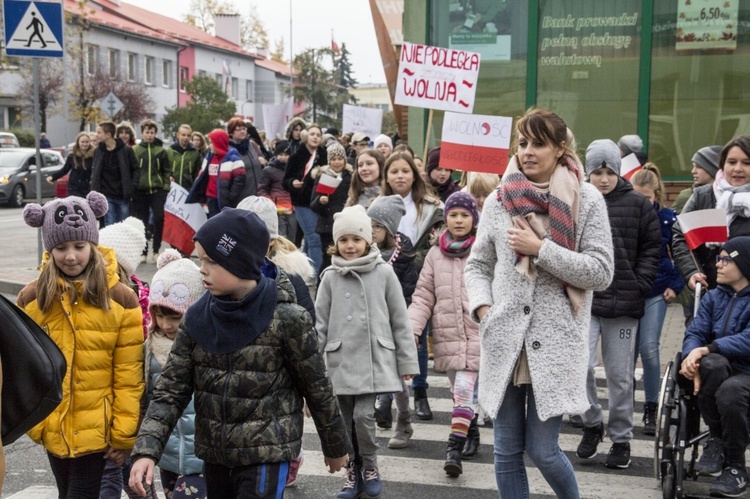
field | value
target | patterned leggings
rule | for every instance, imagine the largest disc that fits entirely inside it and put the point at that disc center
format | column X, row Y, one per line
column 463, row 385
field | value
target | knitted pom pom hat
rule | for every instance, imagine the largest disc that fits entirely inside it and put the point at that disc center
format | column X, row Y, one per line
column 127, row 238
column 177, row 283
column 67, row 219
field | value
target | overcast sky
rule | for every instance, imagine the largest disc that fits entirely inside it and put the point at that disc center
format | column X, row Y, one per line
column 351, row 21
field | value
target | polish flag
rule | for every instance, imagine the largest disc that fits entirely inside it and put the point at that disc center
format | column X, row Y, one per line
column 630, row 165
column 475, row 142
column 181, row 220
column 704, row 226
column 328, row 184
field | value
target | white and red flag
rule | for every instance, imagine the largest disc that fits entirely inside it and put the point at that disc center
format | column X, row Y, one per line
column 181, row 221
column 475, row 142
column 328, row 184
column 704, row 226
column 630, row 165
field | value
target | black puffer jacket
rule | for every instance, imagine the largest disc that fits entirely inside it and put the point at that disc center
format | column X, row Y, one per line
column 248, row 403
column 636, row 237
column 295, row 170
column 703, row 198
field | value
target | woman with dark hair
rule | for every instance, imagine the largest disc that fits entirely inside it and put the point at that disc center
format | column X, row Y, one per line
column 255, row 137
column 298, row 181
column 729, row 190
column 543, row 247
column 78, row 165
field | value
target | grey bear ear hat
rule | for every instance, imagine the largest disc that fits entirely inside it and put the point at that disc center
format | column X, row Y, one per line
column 603, row 153
column 67, row 219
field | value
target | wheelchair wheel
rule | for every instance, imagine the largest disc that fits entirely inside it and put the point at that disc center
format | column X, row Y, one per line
column 668, row 481
column 664, row 421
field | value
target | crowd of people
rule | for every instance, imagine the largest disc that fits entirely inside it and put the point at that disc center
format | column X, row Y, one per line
column 331, row 268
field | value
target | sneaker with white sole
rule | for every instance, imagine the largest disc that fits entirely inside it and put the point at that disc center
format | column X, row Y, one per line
column 731, row 483
column 619, row 456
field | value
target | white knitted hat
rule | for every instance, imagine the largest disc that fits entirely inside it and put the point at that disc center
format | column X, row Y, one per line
column 177, row 284
column 352, row 220
column 265, row 209
column 127, row 238
column 382, row 139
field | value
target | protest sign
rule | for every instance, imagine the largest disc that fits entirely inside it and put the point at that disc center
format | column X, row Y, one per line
column 367, row 120
column 474, row 142
column 437, row 78
column 276, row 117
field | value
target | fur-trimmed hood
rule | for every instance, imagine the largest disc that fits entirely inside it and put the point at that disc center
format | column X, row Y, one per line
column 290, row 126
column 295, row 263
column 319, row 170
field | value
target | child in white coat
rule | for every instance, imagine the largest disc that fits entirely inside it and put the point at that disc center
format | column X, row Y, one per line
column 366, row 339
column 441, row 295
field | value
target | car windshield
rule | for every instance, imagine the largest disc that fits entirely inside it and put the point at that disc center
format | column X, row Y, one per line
column 12, row 159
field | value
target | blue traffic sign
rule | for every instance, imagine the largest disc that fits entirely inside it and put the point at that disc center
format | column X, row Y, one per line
column 33, row 29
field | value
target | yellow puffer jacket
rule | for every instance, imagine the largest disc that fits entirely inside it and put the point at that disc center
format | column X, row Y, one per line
column 104, row 381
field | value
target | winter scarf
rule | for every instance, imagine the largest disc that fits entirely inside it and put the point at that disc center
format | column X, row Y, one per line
column 213, row 320
column 361, row 265
column 736, row 200
column 159, row 346
column 549, row 209
column 456, row 248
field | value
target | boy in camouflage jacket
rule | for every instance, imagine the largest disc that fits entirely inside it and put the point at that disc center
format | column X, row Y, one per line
column 249, row 353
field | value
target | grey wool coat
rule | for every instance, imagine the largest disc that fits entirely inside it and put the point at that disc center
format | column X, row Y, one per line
column 363, row 328
column 537, row 313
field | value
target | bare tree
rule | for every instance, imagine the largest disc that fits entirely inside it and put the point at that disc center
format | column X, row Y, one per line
column 50, row 89
column 252, row 31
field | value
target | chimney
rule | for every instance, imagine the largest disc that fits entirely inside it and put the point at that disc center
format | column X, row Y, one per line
column 228, row 27
column 262, row 51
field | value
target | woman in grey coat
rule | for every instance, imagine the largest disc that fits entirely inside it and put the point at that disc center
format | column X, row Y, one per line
column 543, row 246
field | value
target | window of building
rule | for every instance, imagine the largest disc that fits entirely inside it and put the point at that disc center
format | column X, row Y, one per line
column 91, row 51
column 166, row 73
column 235, row 88
column 113, row 61
column 183, row 78
column 249, row 96
column 132, row 66
column 201, row 72
column 150, row 66
column 220, row 80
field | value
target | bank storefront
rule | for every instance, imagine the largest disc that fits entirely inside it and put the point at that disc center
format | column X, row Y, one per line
column 676, row 72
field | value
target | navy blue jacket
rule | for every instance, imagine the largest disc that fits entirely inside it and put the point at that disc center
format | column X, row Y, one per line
column 669, row 274
column 723, row 325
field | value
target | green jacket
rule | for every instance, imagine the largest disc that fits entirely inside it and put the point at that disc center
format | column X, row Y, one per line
column 154, row 168
column 248, row 403
column 682, row 198
column 185, row 163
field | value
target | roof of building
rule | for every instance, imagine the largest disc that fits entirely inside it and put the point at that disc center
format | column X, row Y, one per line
column 276, row 67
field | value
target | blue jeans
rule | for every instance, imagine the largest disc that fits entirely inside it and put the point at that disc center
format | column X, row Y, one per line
column 518, row 429
column 308, row 221
column 420, row 380
column 649, row 333
column 119, row 210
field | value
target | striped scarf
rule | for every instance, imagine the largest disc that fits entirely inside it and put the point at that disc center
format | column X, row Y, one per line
column 551, row 210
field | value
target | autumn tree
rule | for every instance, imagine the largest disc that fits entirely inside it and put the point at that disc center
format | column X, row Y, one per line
column 209, row 107
column 50, row 89
column 278, row 52
column 252, row 31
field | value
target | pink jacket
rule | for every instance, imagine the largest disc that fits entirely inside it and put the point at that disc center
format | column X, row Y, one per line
column 441, row 294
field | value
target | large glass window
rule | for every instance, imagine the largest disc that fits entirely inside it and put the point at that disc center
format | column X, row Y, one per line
column 499, row 32
column 700, row 79
column 588, row 65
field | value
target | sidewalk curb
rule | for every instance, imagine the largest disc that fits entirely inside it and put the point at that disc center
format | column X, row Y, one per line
column 11, row 287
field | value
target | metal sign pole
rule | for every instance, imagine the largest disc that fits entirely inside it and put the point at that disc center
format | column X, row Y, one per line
column 37, row 131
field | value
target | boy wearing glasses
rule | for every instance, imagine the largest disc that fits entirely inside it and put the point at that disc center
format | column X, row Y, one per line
column 716, row 367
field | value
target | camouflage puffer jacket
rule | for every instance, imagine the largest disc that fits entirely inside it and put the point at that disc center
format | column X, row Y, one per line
column 248, row 403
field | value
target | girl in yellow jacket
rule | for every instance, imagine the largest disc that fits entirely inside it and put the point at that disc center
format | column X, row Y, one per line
column 96, row 321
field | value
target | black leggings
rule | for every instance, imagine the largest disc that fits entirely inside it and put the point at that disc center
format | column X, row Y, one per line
column 264, row 481
column 78, row 477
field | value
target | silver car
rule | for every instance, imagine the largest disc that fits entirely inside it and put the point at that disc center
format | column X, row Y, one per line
column 18, row 173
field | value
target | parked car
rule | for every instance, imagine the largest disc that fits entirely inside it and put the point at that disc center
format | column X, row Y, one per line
column 18, row 173
column 8, row 139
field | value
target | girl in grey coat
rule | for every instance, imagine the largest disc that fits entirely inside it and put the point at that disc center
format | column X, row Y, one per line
column 543, row 246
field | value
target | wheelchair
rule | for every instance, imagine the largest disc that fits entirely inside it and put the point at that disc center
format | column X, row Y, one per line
column 677, row 432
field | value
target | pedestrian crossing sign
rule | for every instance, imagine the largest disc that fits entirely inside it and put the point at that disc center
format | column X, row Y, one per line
column 33, row 28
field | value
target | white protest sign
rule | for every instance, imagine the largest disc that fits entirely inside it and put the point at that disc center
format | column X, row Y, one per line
column 475, row 142
column 276, row 117
column 437, row 78
column 367, row 120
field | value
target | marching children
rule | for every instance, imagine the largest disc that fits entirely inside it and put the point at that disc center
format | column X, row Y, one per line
column 441, row 295
column 615, row 312
column 364, row 332
column 327, row 201
column 249, row 355
column 397, row 251
column 96, row 321
column 176, row 285
column 151, row 183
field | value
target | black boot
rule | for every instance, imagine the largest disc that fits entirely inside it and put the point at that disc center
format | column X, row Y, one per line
column 472, row 440
column 453, row 458
column 421, row 405
column 649, row 418
column 383, row 413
